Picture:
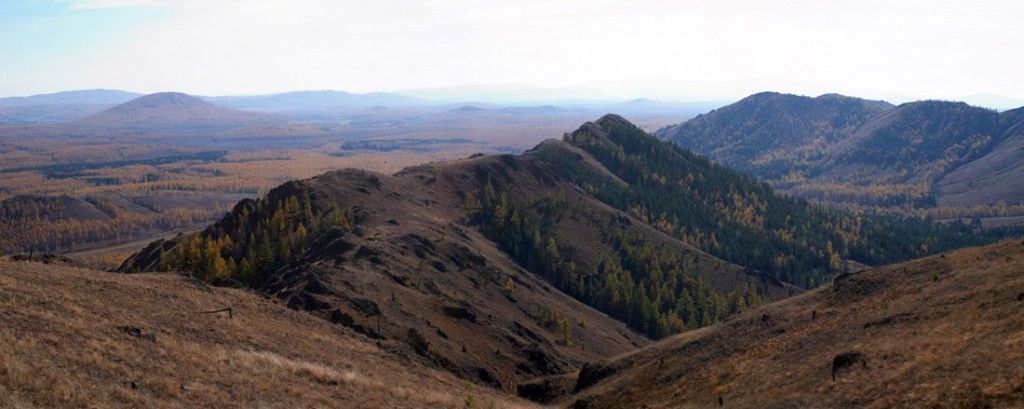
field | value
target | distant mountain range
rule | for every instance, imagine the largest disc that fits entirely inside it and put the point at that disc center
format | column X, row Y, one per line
column 90, row 96
column 837, row 149
column 315, row 100
column 74, row 105
column 329, row 104
column 174, row 111
column 859, row 152
column 60, row 106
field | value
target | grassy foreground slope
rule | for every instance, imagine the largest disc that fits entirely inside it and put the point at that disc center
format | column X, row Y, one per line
column 943, row 331
column 72, row 337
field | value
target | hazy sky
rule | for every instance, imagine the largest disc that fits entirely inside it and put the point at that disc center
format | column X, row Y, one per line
column 891, row 49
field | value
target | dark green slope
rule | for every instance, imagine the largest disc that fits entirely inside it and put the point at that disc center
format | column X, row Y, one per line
column 741, row 220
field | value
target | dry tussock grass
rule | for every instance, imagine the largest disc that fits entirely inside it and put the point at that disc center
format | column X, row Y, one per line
column 82, row 338
column 941, row 332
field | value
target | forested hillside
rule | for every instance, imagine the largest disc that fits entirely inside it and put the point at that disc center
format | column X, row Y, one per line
column 656, row 291
column 658, row 285
column 64, row 223
column 391, row 258
column 744, row 221
column 769, row 134
column 541, row 256
column 856, row 153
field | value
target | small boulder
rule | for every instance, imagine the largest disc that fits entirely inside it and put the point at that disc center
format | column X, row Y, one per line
column 847, row 360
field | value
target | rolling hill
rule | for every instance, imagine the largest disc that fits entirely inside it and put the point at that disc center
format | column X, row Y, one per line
column 174, row 111
column 504, row 268
column 757, row 133
column 74, row 337
column 945, row 331
column 850, row 151
column 989, row 178
column 398, row 259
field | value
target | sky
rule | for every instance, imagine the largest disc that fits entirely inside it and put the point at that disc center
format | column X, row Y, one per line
column 682, row 50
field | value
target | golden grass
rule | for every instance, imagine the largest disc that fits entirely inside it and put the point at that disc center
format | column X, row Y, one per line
column 106, row 260
column 941, row 332
column 82, row 338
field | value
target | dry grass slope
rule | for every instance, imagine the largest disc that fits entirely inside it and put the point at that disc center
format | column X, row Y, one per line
column 73, row 337
column 944, row 332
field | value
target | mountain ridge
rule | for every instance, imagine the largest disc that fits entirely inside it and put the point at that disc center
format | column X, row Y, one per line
column 98, row 96
column 865, row 153
column 421, row 236
column 576, row 249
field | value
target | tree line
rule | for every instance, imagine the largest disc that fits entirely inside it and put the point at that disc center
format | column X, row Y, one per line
column 257, row 238
column 655, row 291
column 46, row 225
column 743, row 220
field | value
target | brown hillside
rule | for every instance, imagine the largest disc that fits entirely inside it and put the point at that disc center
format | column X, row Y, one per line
column 72, row 337
column 944, row 331
column 432, row 289
column 414, row 273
